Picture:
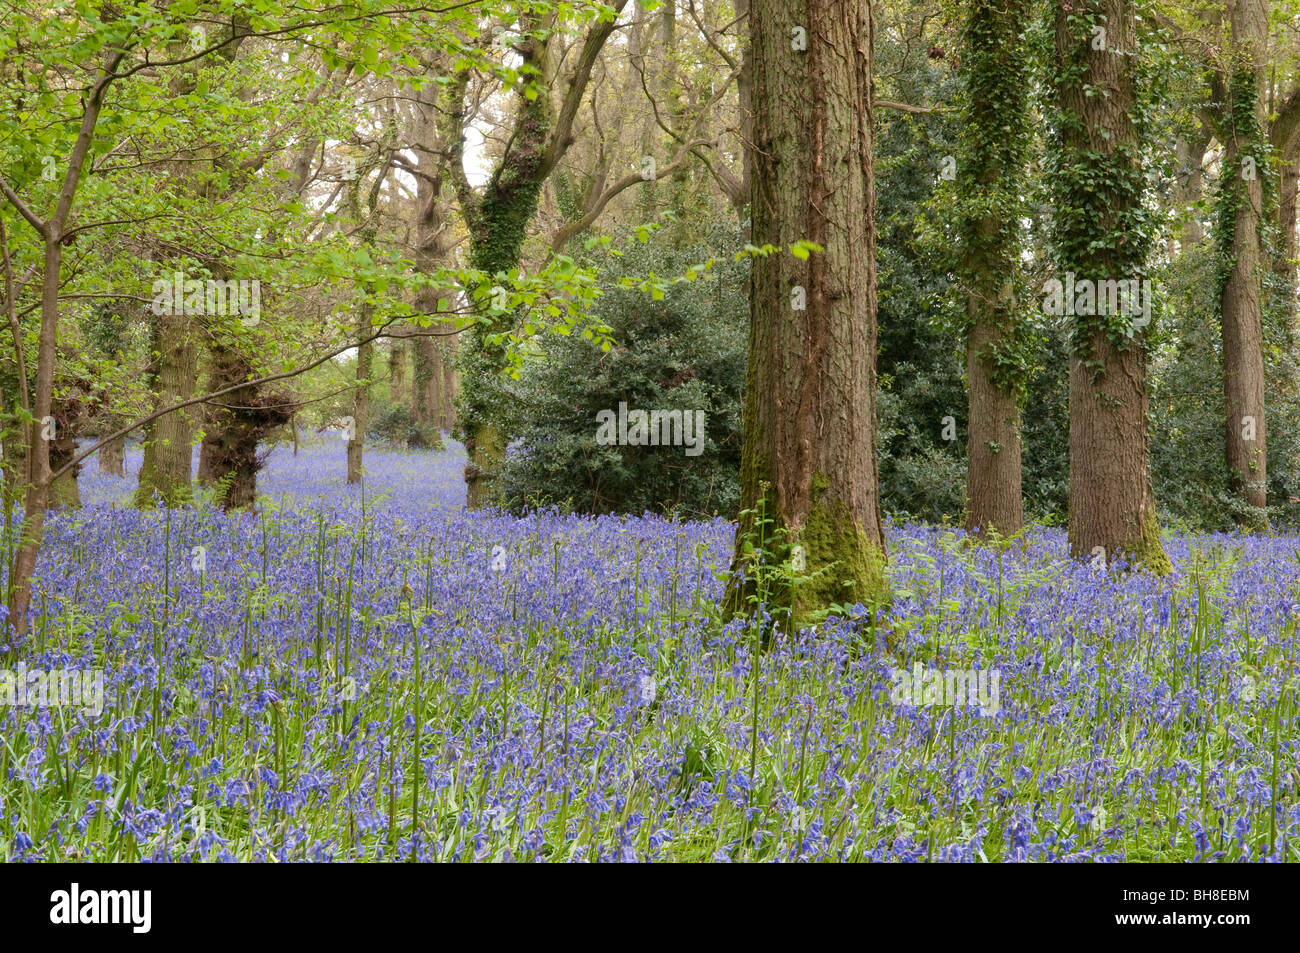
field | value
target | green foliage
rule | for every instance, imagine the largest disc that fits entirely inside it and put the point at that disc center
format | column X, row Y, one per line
column 684, row 350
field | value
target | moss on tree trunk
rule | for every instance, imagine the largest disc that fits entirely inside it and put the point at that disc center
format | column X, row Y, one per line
column 809, row 479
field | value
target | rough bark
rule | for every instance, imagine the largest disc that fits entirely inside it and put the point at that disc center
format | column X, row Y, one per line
column 993, row 481
column 1245, row 165
column 1099, row 187
column 432, row 238
column 809, row 459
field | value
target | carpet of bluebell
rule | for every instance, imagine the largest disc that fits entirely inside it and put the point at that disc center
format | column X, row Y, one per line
column 362, row 674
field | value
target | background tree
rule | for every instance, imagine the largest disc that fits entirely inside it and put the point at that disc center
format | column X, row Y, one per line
column 990, row 189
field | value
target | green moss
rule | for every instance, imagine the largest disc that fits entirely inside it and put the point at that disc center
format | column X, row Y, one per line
column 845, row 564
column 1149, row 551
column 486, row 447
column 842, row 564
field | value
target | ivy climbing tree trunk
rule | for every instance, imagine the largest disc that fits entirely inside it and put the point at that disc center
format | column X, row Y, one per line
column 498, row 218
column 991, row 183
column 1241, row 214
column 1102, row 233
column 809, row 483
column 498, row 221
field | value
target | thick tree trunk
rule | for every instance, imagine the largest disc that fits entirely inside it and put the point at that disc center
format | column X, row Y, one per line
column 112, row 457
column 809, row 459
column 168, row 451
column 994, row 139
column 1112, row 506
column 1099, row 186
column 1245, row 164
column 745, row 106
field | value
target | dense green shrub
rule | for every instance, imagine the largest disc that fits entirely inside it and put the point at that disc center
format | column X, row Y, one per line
column 684, row 352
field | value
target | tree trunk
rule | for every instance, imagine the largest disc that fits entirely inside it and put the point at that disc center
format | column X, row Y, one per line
column 424, row 392
column 397, row 372
column 1245, row 163
column 206, row 447
column 38, row 460
column 112, row 457
column 361, row 403
column 994, row 152
column 238, row 423
column 993, row 488
column 1286, row 214
column 1189, row 185
column 745, row 105
column 168, row 450
column 64, row 491
column 447, row 407
column 809, row 460
column 1097, row 216
column 497, row 227
column 432, row 237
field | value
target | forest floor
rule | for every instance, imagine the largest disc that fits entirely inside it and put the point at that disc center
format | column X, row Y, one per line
column 339, row 678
